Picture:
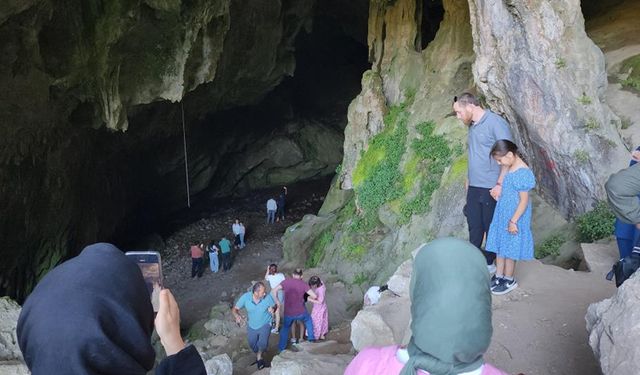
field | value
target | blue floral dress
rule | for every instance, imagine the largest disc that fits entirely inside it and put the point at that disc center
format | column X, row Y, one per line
column 506, row 245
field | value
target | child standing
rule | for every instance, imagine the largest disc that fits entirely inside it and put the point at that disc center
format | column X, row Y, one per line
column 275, row 278
column 319, row 313
column 510, row 235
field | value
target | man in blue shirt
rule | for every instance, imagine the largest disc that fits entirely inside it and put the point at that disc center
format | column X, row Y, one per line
column 484, row 178
column 259, row 306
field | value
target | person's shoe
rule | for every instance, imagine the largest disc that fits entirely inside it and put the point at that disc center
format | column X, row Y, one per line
column 261, row 364
column 274, row 331
column 491, row 268
column 504, row 287
column 494, row 281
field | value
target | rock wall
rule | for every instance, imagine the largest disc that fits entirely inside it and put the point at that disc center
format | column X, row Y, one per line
column 614, row 329
column 11, row 362
column 550, row 84
column 536, row 66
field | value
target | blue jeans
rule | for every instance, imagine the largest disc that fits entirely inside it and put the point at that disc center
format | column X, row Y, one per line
column 271, row 216
column 241, row 240
column 213, row 262
column 258, row 338
column 284, row 330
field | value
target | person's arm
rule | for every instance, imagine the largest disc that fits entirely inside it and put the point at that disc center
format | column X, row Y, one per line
column 497, row 190
column 312, row 294
column 622, row 192
column 266, row 275
column 239, row 318
column 522, row 206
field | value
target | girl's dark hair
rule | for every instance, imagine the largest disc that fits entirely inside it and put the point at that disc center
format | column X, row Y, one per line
column 502, row 147
column 315, row 281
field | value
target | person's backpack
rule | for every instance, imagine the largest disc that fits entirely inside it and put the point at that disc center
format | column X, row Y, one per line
column 625, row 267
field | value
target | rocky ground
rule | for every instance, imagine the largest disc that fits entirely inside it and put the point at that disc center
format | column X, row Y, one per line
column 196, row 297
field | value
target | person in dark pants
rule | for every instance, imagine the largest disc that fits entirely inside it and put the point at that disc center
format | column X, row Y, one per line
column 627, row 235
column 282, row 201
column 225, row 250
column 197, row 260
column 484, row 177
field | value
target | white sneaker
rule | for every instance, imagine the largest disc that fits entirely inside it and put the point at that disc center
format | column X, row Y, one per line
column 491, row 268
column 274, row 331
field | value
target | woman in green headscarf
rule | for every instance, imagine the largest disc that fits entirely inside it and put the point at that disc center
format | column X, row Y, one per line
column 451, row 317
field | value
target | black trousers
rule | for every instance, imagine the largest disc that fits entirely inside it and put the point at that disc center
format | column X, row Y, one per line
column 479, row 212
column 197, row 267
column 226, row 261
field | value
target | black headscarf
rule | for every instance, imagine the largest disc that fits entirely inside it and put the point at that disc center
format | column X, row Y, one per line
column 90, row 315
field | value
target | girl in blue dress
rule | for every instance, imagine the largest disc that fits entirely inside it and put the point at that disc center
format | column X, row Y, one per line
column 510, row 235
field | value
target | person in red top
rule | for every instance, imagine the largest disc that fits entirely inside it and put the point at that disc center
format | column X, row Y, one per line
column 197, row 261
column 294, row 308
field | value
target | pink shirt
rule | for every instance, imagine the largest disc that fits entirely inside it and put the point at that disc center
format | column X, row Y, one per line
column 196, row 252
column 383, row 361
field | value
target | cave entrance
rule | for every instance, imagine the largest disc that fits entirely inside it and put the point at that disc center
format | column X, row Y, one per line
column 429, row 15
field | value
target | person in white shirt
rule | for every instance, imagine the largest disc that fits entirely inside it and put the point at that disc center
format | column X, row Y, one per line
column 272, row 207
column 235, row 227
column 275, row 278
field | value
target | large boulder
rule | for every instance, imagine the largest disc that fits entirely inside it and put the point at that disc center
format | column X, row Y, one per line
column 9, row 313
column 317, row 359
column 614, row 329
column 11, row 362
column 219, row 365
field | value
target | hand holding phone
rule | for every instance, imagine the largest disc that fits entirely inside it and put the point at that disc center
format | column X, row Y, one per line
column 151, row 268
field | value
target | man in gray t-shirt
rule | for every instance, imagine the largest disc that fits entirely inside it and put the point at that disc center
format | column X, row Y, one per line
column 484, row 179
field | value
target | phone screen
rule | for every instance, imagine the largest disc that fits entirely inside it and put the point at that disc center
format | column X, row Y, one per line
column 151, row 268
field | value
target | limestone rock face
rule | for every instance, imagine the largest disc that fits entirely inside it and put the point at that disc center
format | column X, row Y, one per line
column 11, row 362
column 310, row 359
column 219, row 365
column 366, row 113
column 550, row 84
column 614, row 329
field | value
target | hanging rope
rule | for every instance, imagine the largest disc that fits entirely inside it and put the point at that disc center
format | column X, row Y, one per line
column 186, row 164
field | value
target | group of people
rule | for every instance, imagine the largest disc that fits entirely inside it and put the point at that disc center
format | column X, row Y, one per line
column 497, row 208
column 288, row 297
column 215, row 251
column 275, row 210
column 104, row 319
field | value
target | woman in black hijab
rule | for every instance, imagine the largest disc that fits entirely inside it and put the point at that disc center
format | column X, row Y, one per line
column 92, row 315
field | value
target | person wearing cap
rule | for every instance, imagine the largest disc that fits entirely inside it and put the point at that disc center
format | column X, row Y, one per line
column 484, row 177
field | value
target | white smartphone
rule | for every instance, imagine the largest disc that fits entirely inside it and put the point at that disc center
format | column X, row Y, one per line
column 151, row 268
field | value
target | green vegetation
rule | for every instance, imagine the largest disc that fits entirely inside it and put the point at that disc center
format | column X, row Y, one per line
column 361, row 279
column 625, row 123
column 377, row 175
column 631, row 66
column 339, row 168
column 435, row 155
column 550, row 246
column 581, row 156
column 595, row 224
column 352, row 251
column 584, row 99
column 318, row 249
column 561, row 63
column 592, row 124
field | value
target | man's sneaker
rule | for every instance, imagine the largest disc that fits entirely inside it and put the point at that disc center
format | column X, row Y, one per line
column 491, row 268
column 504, row 287
column 275, row 331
